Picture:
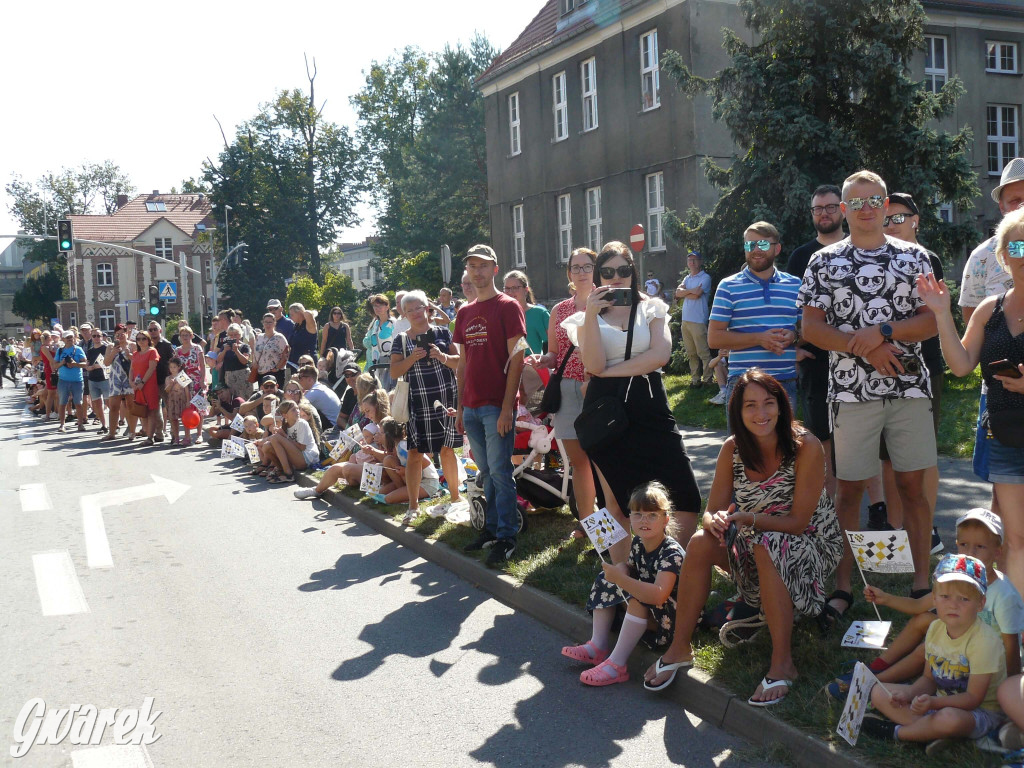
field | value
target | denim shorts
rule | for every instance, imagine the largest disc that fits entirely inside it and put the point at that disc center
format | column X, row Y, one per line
column 69, row 390
column 1005, row 464
column 99, row 389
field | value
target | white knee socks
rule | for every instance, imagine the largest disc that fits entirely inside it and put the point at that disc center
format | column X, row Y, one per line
column 600, row 636
column 633, row 628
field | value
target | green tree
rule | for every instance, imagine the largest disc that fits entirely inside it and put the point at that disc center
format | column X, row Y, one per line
column 305, row 292
column 421, row 126
column 35, row 299
column 825, row 91
column 292, row 180
column 37, row 205
column 337, row 291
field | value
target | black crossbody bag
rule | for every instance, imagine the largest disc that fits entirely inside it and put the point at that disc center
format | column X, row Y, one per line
column 552, row 399
column 604, row 420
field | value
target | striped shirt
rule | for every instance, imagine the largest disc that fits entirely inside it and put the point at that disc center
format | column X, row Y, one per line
column 751, row 305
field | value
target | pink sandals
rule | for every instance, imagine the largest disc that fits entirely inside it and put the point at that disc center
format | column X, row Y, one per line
column 588, row 653
column 605, row 673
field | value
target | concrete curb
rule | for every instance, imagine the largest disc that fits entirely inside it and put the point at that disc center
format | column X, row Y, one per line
column 693, row 690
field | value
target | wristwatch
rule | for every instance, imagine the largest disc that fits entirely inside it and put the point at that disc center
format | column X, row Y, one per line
column 886, row 330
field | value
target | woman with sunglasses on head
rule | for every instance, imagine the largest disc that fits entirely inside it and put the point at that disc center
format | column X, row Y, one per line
column 580, row 272
column 336, row 332
column 995, row 338
column 652, row 447
column 379, row 337
column 144, row 384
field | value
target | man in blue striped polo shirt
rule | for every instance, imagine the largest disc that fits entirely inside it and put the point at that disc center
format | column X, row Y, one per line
column 754, row 314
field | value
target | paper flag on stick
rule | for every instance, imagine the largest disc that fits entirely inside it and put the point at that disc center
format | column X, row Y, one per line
column 371, row 479
column 238, row 423
column 351, row 437
column 867, row 634
column 882, row 551
column 226, row 450
column 183, row 379
column 603, row 529
column 857, row 701
column 253, row 451
column 201, row 403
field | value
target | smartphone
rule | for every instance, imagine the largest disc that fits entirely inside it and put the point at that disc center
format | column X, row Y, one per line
column 620, row 297
column 730, row 534
column 1004, row 368
column 911, row 365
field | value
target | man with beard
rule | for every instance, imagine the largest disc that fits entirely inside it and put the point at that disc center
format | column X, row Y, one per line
column 754, row 314
column 827, row 216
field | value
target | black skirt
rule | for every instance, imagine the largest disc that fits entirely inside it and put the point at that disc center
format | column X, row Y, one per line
column 651, row 449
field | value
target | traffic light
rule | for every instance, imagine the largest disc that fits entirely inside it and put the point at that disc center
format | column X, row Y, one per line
column 156, row 306
column 65, row 238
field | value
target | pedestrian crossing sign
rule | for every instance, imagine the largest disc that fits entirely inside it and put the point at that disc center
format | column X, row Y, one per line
column 169, row 290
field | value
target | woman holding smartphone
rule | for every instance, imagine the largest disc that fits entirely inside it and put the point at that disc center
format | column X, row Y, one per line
column 995, row 338
column 652, row 447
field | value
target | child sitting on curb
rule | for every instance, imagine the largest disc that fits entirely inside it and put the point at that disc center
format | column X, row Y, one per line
column 979, row 533
column 955, row 697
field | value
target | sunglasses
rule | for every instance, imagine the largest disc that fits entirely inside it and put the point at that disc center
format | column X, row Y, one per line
column 1016, row 249
column 896, row 218
column 96, row 336
column 817, row 210
column 761, row 245
column 584, row 268
column 607, row 273
column 350, row 375
column 856, row 203
column 335, row 313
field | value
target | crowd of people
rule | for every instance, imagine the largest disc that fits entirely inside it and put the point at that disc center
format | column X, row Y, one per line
column 854, row 335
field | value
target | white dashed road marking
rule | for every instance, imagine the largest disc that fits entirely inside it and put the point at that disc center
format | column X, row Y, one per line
column 28, row 458
column 60, row 594
column 127, row 756
column 34, row 497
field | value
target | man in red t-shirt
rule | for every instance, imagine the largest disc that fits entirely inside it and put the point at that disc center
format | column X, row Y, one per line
column 491, row 332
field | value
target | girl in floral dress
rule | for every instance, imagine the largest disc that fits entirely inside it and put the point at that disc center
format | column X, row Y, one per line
column 178, row 398
column 645, row 584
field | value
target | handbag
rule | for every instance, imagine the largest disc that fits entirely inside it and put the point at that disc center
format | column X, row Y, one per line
column 552, row 399
column 604, row 419
column 136, row 408
column 1008, row 427
column 400, row 404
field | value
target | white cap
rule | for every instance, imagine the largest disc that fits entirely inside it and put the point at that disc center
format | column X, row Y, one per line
column 989, row 519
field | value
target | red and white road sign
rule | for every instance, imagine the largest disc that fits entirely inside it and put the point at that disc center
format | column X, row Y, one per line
column 637, row 238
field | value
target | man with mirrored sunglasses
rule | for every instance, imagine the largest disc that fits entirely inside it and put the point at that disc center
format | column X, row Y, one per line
column 754, row 314
column 860, row 301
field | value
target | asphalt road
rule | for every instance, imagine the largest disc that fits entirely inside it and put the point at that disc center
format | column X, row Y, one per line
column 271, row 632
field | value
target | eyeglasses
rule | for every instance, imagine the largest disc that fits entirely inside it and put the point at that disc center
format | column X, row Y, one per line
column 896, row 218
column 856, row 203
column 817, row 210
column 417, row 308
column 624, row 270
column 289, row 391
column 97, row 336
column 514, row 288
column 645, row 517
column 1016, row 249
column 584, row 268
column 761, row 245
column 350, row 375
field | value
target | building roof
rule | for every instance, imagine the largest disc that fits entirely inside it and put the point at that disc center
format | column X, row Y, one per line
column 549, row 29
column 133, row 218
column 999, row 7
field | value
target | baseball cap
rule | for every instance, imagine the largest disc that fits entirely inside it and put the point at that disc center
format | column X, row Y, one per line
column 351, row 368
column 482, row 251
column 962, row 568
column 274, row 304
column 67, row 334
column 985, row 517
column 905, row 200
column 267, row 378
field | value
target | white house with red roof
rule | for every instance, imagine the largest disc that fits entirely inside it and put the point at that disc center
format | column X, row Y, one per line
column 110, row 285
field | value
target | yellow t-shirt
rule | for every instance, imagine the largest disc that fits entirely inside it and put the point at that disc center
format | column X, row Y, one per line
column 977, row 651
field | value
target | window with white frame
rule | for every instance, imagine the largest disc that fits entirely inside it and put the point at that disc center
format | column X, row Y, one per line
column 655, row 211
column 208, row 271
column 1001, row 122
column 1001, row 57
column 366, row 273
column 649, row 70
column 588, row 86
column 107, row 321
column 104, row 275
column 513, row 124
column 936, row 68
column 518, row 237
column 349, row 273
column 945, row 212
column 560, row 106
column 564, row 227
column 156, row 207
column 163, row 248
column 594, row 219
column 73, row 318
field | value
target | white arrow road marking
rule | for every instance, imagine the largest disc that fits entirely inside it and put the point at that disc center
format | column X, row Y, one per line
column 34, row 497
column 123, row 756
column 28, row 458
column 60, row 594
column 97, row 547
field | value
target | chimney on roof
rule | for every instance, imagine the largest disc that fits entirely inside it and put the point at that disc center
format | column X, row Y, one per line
column 156, row 191
column 202, row 196
column 122, row 201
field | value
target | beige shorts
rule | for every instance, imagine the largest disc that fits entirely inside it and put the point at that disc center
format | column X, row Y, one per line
column 906, row 424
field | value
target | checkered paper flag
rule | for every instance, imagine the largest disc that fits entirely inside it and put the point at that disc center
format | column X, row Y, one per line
column 371, row 479
column 857, row 701
column 882, row 551
column 867, row 634
column 603, row 529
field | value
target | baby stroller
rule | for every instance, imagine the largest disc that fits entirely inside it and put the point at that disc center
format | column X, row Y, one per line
column 549, row 487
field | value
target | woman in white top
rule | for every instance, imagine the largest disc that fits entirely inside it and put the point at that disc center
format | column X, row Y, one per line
column 652, row 447
column 295, row 447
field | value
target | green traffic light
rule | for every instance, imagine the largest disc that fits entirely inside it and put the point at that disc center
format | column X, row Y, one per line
column 65, row 245
column 154, row 310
